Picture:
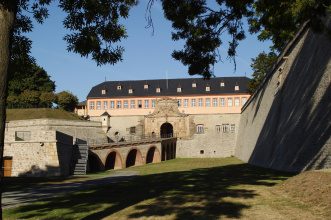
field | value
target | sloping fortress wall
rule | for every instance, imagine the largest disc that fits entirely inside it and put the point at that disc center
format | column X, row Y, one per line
column 286, row 124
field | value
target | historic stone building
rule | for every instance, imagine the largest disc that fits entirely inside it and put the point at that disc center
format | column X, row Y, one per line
column 202, row 114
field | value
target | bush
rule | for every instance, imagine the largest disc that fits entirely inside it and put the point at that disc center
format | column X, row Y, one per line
column 66, row 101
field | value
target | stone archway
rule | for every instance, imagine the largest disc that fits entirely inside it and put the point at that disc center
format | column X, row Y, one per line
column 113, row 161
column 166, row 130
column 153, row 155
column 134, row 158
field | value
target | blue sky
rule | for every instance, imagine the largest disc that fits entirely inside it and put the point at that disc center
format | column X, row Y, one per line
column 145, row 56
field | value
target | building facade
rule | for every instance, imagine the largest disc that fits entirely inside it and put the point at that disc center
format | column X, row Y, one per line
column 203, row 114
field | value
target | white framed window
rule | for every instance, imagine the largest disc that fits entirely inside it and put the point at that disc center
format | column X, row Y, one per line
column 98, row 105
column 207, row 102
column 125, row 104
column 146, row 103
column 194, row 85
column 145, row 86
column 158, row 90
column 153, row 103
column 193, row 102
column 233, row 128
column 229, row 101
column 119, row 87
column 222, row 84
column 103, row 91
column 200, row 102
column 218, row 128
column 91, row 105
column 119, row 104
column 236, row 88
column 105, row 105
column 179, row 89
column 244, row 100
column 200, row 129
column 140, row 104
column 236, row 101
column 185, row 102
column 207, row 88
column 214, row 102
column 130, row 91
column 222, row 102
column 112, row 104
column 133, row 104
column 225, row 128
column 179, row 103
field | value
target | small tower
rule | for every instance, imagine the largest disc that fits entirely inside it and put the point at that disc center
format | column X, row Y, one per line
column 105, row 122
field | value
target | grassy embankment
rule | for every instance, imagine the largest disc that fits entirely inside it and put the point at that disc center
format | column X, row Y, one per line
column 193, row 189
column 37, row 113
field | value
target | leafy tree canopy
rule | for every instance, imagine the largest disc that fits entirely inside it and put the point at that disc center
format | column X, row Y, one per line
column 66, row 101
column 203, row 27
column 33, row 78
column 260, row 65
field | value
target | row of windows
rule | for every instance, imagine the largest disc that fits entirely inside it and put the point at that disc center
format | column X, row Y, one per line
column 158, row 90
column 224, row 128
column 212, row 102
column 201, row 103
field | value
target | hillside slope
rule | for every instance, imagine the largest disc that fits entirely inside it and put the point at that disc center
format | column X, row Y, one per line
column 312, row 188
column 37, row 113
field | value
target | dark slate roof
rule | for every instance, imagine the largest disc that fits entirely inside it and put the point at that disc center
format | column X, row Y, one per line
column 83, row 103
column 169, row 87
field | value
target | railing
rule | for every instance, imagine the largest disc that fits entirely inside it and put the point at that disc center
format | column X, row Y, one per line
column 123, row 139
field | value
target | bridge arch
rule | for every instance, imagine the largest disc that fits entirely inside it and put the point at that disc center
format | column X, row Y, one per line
column 153, row 155
column 113, row 160
column 94, row 163
column 134, row 158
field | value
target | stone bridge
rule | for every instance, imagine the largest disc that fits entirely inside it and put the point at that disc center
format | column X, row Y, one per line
column 126, row 154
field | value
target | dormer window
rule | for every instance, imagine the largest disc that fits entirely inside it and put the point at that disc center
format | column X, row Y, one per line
column 236, row 88
column 130, row 91
column 103, row 91
column 145, row 86
column 222, row 84
column 119, row 87
column 207, row 88
column 158, row 90
column 194, row 85
column 179, row 89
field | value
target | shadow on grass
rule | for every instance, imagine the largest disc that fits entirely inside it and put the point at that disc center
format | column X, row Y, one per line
column 197, row 193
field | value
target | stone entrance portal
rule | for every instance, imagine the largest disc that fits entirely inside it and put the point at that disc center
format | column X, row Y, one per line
column 166, row 121
column 166, row 130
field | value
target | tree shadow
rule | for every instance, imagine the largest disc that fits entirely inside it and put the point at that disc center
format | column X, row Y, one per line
column 198, row 193
column 295, row 135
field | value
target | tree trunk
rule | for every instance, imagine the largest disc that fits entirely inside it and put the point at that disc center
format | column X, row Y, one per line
column 7, row 18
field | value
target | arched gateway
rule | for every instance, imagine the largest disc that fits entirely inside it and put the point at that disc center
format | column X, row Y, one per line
column 166, row 130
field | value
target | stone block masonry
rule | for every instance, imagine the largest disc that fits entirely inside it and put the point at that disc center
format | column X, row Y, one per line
column 286, row 124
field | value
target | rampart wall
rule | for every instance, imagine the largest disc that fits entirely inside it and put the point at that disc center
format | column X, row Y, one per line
column 286, row 124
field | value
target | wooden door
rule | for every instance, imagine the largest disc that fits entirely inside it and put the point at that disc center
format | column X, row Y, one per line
column 7, row 165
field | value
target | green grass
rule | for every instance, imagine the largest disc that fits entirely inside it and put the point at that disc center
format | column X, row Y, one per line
column 176, row 189
column 37, row 113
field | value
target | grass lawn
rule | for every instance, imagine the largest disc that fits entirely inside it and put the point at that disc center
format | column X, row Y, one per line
column 180, row 189
column 37, row 113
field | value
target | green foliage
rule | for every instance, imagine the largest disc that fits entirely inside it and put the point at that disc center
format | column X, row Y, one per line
column 260, row 66
column 95, row 26
column 278, row 20
column 47, row 98
column 32, row 78
column 66, row 101
column 202, row 27
column 29, row 97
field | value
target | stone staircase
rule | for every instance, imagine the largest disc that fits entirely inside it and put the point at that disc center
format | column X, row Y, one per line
column 80, row 158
